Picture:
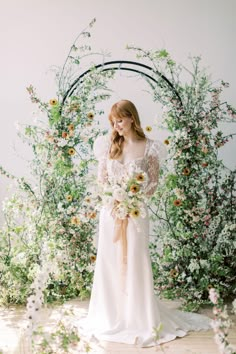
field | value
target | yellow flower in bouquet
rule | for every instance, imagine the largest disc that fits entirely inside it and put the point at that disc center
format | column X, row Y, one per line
column 140, row 177
column 135, row 213
column 134, row 188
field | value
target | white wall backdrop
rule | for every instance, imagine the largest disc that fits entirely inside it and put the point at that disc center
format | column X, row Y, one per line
column 37, row 34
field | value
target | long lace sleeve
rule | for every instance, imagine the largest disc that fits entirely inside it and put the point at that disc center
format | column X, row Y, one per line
column 155, row 158
column 100, row 148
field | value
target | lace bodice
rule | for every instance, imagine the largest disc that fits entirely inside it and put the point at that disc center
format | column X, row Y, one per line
column 113, row 170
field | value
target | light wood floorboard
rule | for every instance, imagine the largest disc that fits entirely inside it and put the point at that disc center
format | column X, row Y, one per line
column 12, row 320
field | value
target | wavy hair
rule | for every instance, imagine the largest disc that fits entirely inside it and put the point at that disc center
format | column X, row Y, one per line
column 122, row 109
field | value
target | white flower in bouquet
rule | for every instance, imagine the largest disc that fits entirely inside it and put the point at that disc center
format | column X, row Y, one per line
column 119, row 194
column 121, row 211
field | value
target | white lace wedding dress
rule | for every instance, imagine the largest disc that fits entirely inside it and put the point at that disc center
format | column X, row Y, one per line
column 127, row 312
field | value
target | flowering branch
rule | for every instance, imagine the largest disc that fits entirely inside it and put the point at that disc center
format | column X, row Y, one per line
column 221, row 323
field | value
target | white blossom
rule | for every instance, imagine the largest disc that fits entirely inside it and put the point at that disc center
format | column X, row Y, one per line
column 62, row 142
column 213, row 296
column 119, row 194
column 194, row 265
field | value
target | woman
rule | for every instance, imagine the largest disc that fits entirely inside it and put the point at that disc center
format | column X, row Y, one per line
column 123, row 307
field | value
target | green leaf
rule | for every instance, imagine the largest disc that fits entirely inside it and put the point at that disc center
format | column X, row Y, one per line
column 163, row 53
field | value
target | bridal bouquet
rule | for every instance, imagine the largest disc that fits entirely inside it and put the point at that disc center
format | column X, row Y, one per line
column 126, row 196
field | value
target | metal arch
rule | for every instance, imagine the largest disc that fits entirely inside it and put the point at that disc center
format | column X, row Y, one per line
column 76, row 82
column 134, row 70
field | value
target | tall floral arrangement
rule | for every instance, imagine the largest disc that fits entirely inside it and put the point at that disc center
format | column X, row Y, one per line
column 194, row 208
column 54, row 209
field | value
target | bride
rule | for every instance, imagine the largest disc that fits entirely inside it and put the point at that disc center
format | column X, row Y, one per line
column 123, row 307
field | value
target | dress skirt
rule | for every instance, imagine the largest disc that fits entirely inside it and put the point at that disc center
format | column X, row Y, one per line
column 123, row 307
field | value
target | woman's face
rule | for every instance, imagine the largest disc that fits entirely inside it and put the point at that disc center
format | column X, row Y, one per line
column 122, row 125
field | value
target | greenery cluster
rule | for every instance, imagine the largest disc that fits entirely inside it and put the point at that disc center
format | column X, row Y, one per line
column 194, row 208
column 54, row 210
column 63, row 339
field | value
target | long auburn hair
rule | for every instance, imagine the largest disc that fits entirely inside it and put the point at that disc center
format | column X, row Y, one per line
column 122, row 109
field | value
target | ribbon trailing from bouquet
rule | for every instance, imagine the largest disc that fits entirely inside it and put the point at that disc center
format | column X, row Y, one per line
column 120, row 233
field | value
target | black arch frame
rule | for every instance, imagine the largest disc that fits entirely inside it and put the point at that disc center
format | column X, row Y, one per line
column 109, row 66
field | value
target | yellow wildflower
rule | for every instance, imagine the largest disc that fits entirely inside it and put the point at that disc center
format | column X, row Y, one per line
column 75, row 220
column 90, row 115
column 69, row 198
column 148, row 128
column 71, row 127
column 71, row 151
column 92, row 215
column 177, row 202
column 93, row 258
column 186, row 171
column 53, row 102
column 174, row 273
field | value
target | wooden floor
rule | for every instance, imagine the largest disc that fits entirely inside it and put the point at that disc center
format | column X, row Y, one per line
column 12, row 320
